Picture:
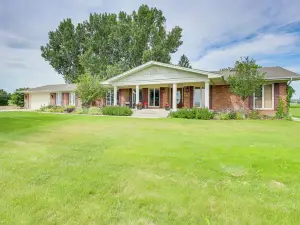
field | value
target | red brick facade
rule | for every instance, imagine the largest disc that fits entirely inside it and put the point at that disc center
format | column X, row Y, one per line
column 222, row 98
column 52, row 98
column 124, row 96
column 164, row 96
column 65, row 98
column 187, row 97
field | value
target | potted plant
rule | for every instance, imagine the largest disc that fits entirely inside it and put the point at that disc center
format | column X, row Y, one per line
column 167, row 107
column 139, row 106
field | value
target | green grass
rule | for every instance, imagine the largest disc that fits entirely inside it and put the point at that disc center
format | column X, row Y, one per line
column 295, row 110
column 73, row 169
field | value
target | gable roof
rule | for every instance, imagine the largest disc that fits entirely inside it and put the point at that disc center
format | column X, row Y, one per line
column 153, row 63
column 272, row 73
column 52, row 88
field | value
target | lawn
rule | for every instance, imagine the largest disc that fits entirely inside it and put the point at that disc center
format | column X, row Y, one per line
column 295, row 110
column 72, row 169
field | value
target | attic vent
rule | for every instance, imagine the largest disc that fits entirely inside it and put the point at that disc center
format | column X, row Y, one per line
column 153, row 70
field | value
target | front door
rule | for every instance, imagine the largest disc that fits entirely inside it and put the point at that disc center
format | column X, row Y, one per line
column 179, row 98
column 154, row 97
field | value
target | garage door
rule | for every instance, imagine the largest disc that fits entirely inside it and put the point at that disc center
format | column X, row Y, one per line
column 39, row 99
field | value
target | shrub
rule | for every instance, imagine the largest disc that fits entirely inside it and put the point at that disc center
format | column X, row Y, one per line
column 117, row 111
column 82, row 111
column 254, row 115
column 52, row 108
column 239, row 116
column 281, row 110
column 224, row 116
column 194, row 113
column 94, row 111
column 70, row 108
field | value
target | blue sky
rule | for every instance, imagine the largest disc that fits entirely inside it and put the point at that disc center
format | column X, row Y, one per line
column 215, row 33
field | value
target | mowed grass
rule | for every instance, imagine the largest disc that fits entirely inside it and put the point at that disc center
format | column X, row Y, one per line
column 295, row 110
column 72, row 169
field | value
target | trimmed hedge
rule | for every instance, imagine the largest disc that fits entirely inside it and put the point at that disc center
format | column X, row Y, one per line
column 194, row 113
column 94, row 111
column 116, row 111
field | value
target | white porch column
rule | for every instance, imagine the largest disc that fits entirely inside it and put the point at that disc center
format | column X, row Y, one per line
column 137, row 94
column 206, row 102
column 115, row 95
column 174, row 102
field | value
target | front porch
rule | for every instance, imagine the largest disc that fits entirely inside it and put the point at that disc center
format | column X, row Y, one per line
column 187, row 95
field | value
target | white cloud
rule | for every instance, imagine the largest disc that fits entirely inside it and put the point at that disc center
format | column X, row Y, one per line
column 264, row 45
column 206, row 24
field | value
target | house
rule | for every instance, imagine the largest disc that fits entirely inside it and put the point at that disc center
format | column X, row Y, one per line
column 156, row 84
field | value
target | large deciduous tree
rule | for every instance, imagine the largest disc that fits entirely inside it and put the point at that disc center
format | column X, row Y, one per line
column 246, row 79
column 184, row 62
column 17, row 98
column 108, row 44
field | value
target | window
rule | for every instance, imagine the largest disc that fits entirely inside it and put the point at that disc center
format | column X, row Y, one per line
column 154, row 97
column 198, row 97
column 110, row 97
column 72, row 98
column 58, row 98
column 264, row 97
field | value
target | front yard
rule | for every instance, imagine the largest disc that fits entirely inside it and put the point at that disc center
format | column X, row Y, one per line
column 73, row 169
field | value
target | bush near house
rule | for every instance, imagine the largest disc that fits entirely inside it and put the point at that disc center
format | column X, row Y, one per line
column 57, row 109
column 116, row 111
column 94, row 111
column 194, row 113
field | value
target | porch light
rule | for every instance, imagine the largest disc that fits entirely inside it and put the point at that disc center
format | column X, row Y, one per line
column 187, row 89
column 163, row 90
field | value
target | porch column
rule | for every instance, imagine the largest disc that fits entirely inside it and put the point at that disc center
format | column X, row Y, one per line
column 174, row 102
column 206, row 95
column 115, row 95
column 137, row 94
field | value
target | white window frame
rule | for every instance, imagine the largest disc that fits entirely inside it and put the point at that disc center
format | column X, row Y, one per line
column 202, row 98
column 58, row 100
column 110, row 99
column 154, row 97
column 263, row 99
column 72, row 98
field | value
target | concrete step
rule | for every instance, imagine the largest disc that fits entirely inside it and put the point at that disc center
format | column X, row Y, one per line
column 151, row 113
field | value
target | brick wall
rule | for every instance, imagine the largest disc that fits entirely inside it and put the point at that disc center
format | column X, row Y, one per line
column 124, row 96
column 52, row 98
column 164, row 96
column 222, row 98
column 65, row 98
column 187, row 97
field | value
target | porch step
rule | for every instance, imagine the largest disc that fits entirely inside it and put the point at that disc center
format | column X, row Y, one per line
column 151, row 113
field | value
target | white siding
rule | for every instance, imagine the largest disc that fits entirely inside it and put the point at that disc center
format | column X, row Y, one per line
column 39, row 99
column 159, row 75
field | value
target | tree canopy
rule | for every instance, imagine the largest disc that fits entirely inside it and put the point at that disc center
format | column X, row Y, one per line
column 108, row 44
column 246, row 79
column 4, row 97
column 17, row 98
column 90, row 89
column 184, row 62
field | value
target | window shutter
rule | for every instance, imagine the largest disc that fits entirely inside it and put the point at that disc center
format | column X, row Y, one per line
column 276, row 95
column 250, row 102
column 191, row 96
column 210, row 96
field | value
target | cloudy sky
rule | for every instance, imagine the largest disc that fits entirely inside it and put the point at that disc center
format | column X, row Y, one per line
column 215, row 33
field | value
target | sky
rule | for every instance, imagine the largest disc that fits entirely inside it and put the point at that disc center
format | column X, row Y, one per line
column 215, row 33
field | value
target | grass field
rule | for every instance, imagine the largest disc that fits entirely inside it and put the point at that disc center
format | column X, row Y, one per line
column 72, row 169
column 295, row 110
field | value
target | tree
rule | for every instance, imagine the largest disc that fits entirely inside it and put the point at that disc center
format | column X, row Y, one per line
column 184, row 62
column 110, row 42
column 246, row 79
column 4, row 97
column 64, row 49
column 90, row 89
column 17, row 98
